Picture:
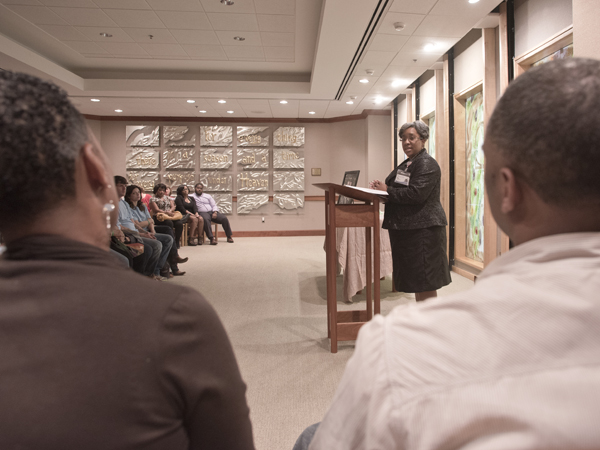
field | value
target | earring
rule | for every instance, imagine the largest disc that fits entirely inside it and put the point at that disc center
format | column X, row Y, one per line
column 107, row 209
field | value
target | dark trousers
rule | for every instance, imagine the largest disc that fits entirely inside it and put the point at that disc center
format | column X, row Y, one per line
column 173, row 255
column 221, row 220
column 176, row 225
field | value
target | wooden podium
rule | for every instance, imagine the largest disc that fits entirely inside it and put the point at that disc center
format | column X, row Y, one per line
column 344, row 325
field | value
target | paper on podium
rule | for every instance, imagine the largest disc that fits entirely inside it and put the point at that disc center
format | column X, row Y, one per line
column 369, row 191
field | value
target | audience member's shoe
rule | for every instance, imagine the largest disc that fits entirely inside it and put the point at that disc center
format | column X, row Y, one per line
column 191, row 243
column 230, row 240
column 213, row 241
column 169, row 275
column 197, row 242
column 178, row 273
column 180, row 260
column 158, row 277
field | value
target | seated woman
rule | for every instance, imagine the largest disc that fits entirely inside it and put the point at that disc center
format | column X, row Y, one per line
column 144, row 223
column 161, row 203
column 185, row 205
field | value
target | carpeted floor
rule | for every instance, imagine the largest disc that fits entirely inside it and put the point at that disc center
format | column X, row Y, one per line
column 271, row 296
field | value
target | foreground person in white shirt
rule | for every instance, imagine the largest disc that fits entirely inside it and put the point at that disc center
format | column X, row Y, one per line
column 514, row 363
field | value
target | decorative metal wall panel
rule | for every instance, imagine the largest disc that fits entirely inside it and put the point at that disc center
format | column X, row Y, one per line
column 253, row 158
column 179, row 158
column 179, row 136
column 253, row 136
column 288, row 181
column 253, row 181
column 288, row 137
column 288, row 202
column 216, row 181
column 216, row 158
column 216, row 136
column 174, row 179
column 142, row 136
column 247, row 203
column 287, row 158
column 141, row 158
column 224, row 203
column 145, row 179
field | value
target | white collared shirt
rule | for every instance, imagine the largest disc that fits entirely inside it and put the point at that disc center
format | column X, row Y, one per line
column 205, row 202
column 513, row 363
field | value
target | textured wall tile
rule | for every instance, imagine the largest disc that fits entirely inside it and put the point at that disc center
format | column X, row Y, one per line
column 142, row 136
column 253, row 181
column 179, row 136
column 216, row 136
column 253, row 158
column 253, row 136
column 288, row 137
column 287, row 158
column 247, row 203
column 288, row 181
column 216, row 181
column 179, row 158
column 141, row 158
column 216, row 158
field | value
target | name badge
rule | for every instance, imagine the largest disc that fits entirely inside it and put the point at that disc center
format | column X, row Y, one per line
column 402, row 177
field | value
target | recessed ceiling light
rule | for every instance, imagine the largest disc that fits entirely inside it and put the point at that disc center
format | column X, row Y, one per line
column 118, row 110
column 95, row 99
column 311, row 112
column 222, row 101
column 229, row 112
column 349, row 102
column 428, row 47
column 239, row 38
column 283, row 102
column 191, row 101
column 227, row 2
column 378, row 100
column 363, row 80
column 105, row 35
column 202, row 111
column 473, row 1
column 396, row 83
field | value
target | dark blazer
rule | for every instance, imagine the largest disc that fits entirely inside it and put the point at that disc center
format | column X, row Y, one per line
column 418, row 204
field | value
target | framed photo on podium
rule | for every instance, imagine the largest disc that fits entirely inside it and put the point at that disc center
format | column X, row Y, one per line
column 350, row 179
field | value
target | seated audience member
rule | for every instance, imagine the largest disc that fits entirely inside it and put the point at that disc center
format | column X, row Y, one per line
column 145, row 198
column 207, row 207
column 94, row 357
column 513, row 362
column 152, row 247
column 185, row 205
column 161, row 203
column 144, row 225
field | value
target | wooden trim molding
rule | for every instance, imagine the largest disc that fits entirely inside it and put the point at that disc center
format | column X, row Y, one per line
column 363, row 115
column 275, row 233
column 546, row 48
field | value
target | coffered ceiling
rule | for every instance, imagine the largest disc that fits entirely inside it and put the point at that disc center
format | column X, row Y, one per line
column 150, row 57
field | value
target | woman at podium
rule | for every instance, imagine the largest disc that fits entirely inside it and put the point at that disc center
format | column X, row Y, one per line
column 415, row 218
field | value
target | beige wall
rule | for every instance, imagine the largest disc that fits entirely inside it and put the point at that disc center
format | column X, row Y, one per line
column 468, row 66
column 585, row 28
column 538, row 20
column 427, row 95
column 363, row 144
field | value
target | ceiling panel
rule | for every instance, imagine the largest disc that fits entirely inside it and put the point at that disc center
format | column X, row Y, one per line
column 39, row 15
column 285, row 54
column 413, row 6
column 319, row 107
column 173, row 50
column 179, row 20
column 275, row 6
column 252, row 38
column 68, row 3
column 122, row 49
column 440, row 26
column 135, row 18
column 464, row 8
column 277, row 39
column 90, row 48
column 94, row 33
column 377, row 58
column 280, row 23
column 208, row 52
column 239, row 6
column 64, row 32
column 388, row 43
column 175, row 5
column 244, row 53
column 86, row 17
column 159, row 36
column 410, row 21
column 197, row 37
column 290, row 109
column 233, row 22
column 122, row 4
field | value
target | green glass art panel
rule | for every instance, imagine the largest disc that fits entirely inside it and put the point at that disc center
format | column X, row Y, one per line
column 474, row 176
column 431, row 143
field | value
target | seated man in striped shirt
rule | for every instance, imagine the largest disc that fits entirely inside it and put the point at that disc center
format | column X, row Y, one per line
column 209, row 211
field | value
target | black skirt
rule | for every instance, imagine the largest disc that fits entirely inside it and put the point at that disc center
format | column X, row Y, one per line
column 420, row 260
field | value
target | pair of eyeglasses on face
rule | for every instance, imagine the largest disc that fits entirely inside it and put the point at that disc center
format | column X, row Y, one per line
column 410, row 139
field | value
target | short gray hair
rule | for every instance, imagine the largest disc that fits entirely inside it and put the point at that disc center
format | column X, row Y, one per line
column 546, row 126
column 41, row 134
column 421, row 128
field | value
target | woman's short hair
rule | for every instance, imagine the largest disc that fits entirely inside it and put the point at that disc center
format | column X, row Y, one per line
column 180, row 189
column 158, row 187
column 128, row 192
column 421, row 128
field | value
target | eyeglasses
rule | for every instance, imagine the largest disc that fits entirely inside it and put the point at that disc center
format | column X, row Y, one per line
column 414, row 139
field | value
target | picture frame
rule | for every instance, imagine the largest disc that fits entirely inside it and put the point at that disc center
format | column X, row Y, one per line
column 350, row 179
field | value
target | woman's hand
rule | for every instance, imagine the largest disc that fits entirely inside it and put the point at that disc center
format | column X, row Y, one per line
column 378, row 185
